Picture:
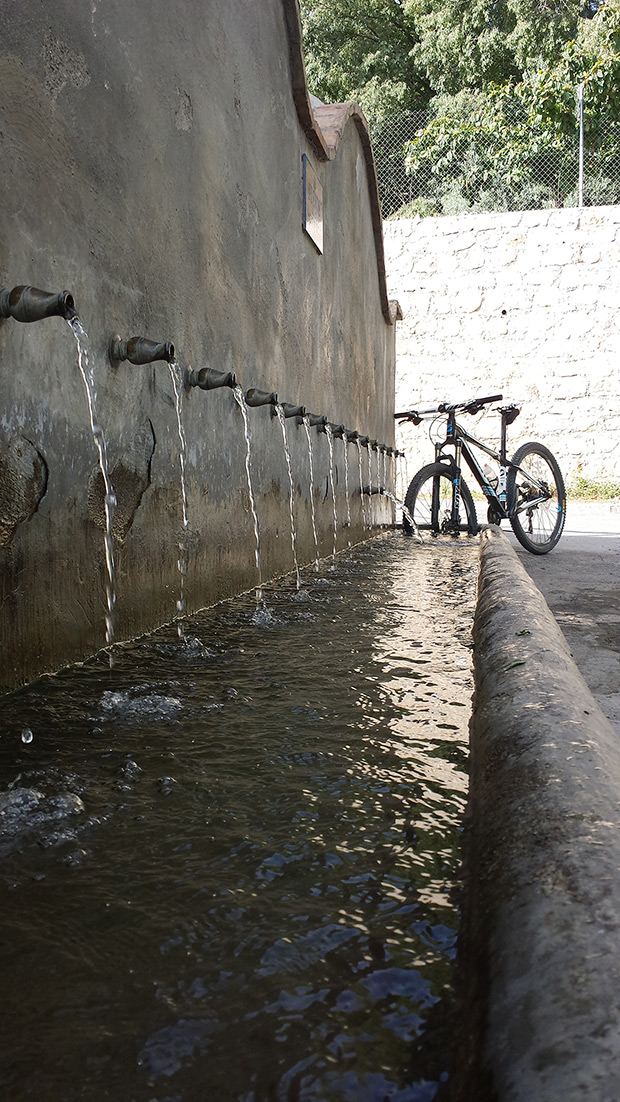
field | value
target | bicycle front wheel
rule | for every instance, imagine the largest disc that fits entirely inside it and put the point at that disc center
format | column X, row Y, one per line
column 536, row 498
column 429, row 501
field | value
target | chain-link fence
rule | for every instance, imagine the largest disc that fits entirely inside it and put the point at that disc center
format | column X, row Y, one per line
column 429, row 164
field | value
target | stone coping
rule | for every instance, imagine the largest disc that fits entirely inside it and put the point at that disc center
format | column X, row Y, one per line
column 540, row 961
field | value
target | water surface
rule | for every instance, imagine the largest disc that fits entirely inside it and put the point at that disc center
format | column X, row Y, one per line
column 227, row 864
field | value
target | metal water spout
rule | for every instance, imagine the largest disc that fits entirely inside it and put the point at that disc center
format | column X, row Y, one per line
column 290, row 410
column 255, row 397
column 351, row 435
column 316, row 421
column 338, row 431
column 364, row 441
column 31, row 304
column 208, row 379
column 139, row 351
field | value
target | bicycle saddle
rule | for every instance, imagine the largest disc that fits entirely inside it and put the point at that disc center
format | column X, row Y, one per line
column 509, row 413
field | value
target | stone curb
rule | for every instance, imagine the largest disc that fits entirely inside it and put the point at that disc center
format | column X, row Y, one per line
column 540, row 972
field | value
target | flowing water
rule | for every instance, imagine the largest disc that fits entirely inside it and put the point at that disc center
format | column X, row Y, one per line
column 239, row 397
column 362, row 494
column 228, row 863
column 345, row 445
column 312, row 509
column 370, row 508
column 109, row 500
column 291, row 492
column 182, row 559
column 330, row 443
column 401, row 505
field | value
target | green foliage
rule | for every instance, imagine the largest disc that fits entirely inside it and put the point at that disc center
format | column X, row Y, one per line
column 499, row 81
column 593, row 489
column 362, row 50
column 513, row 146
column 470, row 44
column 396, row 55
column 424, row 208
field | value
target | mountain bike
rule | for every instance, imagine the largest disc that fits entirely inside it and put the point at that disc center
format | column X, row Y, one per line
column 527, row 490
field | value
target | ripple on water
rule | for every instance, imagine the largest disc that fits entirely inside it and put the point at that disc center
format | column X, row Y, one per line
column 265, row 901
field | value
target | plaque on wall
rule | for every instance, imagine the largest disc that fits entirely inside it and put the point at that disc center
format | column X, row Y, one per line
column 313, row 204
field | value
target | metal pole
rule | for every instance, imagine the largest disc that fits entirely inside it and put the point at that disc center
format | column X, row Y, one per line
column 580, row 99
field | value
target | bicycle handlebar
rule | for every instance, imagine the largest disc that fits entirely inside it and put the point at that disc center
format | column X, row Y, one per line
column 474, row 405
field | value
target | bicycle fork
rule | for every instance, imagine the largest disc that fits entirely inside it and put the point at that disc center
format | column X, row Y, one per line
column 453, row 524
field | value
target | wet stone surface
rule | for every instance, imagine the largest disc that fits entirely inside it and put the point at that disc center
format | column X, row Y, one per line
column 228, row 864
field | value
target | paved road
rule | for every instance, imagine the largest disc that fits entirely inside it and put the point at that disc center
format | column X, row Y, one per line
column 580, row 580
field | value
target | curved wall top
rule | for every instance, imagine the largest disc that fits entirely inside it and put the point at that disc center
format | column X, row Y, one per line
column 324, row 127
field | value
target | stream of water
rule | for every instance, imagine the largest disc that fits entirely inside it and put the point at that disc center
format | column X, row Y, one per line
column 362, row 494
column 345, row 444
column 291, row 492
column 228, row 863
column 312, row 507
column 183, row 550
column 330, row 443
column 239, row 397
column 109, row 500
column 370, row 505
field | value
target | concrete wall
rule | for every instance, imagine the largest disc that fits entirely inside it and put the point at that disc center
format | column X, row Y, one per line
column 151, row 164
column 523, row 303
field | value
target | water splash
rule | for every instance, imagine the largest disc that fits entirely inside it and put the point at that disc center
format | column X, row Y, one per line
column 87, row 373
column 175, row 375
column 313, row 514
column 241, row 402
column 401, row 505
column 291, row 495
column 330, row 444
column 362, row 498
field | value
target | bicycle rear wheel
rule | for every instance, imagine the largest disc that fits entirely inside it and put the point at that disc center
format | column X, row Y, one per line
column 429, row 501
column 536, row 493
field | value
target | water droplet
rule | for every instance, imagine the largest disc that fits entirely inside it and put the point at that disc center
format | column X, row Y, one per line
column 27, row 735
column 179, row 606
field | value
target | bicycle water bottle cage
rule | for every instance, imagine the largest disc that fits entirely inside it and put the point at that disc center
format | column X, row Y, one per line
column 510, row 413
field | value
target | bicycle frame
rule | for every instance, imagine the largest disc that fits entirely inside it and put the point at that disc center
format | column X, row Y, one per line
column 462, row 440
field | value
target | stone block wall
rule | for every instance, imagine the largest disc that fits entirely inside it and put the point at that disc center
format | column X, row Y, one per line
column 523, row 303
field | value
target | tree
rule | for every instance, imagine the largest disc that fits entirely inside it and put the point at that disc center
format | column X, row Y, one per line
column 362, row 50
column 470, row 44
column 514, row 145
column 397, row 55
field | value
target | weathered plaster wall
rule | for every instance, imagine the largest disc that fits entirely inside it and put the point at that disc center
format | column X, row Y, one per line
column 522, row 303
column 150, row 162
